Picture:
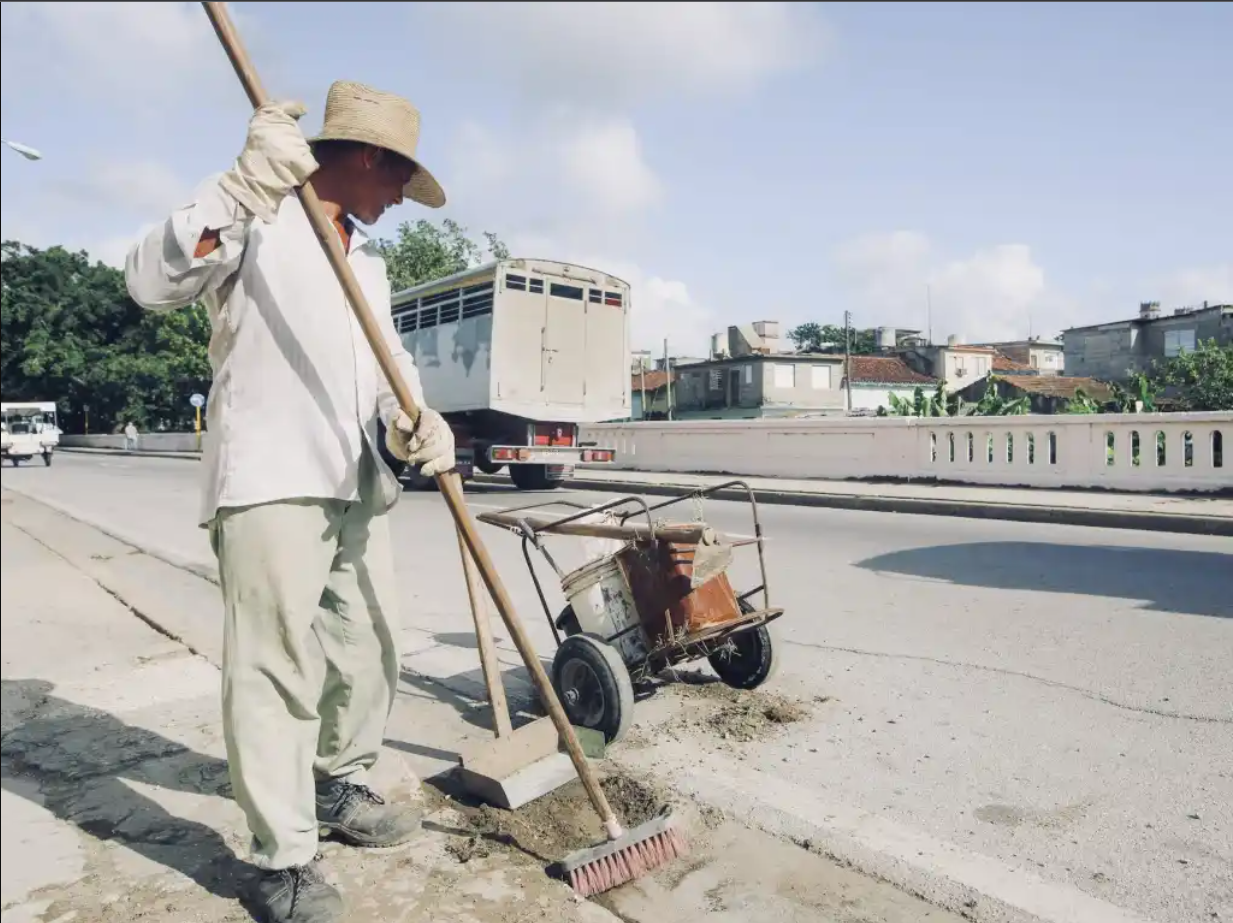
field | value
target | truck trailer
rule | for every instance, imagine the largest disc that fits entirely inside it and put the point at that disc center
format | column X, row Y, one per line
column 515, row 354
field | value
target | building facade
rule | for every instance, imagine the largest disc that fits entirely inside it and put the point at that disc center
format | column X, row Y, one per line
column 1119, row 350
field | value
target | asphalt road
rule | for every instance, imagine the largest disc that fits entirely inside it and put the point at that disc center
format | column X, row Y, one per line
column 1044, row 713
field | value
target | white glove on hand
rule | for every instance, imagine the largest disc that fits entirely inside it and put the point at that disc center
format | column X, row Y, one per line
column 276, row 159
column 429, row 445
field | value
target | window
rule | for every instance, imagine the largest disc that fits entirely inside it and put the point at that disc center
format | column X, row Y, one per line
column 820, row 376
column 536, row 286
column 595, row 296
column 572, row 292
column 446, row 307
column 613, row 298
column 785, row 376
column 1177, row 340
column 517, row 283
column 749, row 374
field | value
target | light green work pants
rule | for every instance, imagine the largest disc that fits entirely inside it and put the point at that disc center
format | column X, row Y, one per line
column 300, row 579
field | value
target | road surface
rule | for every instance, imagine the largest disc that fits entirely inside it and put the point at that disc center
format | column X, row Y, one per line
column 1041, row 713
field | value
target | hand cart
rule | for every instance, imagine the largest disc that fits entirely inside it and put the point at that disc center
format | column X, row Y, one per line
column 653, row 594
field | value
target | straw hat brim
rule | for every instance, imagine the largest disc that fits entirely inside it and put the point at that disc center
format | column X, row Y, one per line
column 423, row 187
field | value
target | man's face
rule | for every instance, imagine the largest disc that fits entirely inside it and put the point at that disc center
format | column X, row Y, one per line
column 380, row 177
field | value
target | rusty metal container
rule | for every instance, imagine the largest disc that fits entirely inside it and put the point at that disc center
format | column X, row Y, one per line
column 659, row 576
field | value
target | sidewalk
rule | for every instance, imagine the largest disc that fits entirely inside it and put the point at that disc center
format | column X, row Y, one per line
column 115, row 796
column 1152, row 512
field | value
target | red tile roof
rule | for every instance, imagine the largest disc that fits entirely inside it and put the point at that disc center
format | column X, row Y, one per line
column 886, row 370
column 1059, row 386
column 652, row 381
column 1003, row 363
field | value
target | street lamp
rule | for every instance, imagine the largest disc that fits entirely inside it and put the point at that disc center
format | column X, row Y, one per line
column 28, row 152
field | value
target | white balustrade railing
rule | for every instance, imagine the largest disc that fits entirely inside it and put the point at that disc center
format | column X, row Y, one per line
column 1145, row 452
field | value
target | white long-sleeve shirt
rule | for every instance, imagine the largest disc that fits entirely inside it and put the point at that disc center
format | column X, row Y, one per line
column 296, row 388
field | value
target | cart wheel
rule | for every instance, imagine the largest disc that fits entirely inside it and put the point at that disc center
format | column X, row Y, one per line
column 567, row 622
column 748, row 659
column 594, row 686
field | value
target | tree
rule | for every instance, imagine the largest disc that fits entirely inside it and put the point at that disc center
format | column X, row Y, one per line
column 1203, row 379
column 423, row 252
column 72, row 334
column 812, row 337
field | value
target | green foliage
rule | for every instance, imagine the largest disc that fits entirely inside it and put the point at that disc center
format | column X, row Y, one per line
column 423, row 252
column 1203, row 379
column 1138, row 396
column 827, row 338
column 943, row 404
column 72, row 334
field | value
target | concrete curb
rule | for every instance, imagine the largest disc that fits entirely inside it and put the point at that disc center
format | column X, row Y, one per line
column 1057, row 515
column 1140, row 520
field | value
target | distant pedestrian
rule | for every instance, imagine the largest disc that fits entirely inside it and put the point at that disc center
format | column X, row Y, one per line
column 130, row 437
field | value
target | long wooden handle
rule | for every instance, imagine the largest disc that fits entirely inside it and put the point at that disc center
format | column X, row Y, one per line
column 450, row 483
column 491, row 667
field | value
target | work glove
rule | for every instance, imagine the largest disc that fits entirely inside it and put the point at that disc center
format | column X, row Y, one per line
column 276, row 159
column 429, row 445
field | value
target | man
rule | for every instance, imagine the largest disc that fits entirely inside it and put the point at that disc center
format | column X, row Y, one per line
column 296, row 495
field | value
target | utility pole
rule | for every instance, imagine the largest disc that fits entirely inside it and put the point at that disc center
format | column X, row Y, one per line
column 668, row 377
column 929, row 314
column 642, row 380
column 847, row 355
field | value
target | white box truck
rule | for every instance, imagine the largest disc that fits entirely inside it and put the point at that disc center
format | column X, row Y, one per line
column 515, row 354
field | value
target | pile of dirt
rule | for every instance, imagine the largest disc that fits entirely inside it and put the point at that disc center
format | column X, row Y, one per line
column 551, row 827
column 739, row 716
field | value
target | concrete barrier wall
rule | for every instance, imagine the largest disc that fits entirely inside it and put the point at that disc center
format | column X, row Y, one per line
column 1145, row 452
column 146, row 442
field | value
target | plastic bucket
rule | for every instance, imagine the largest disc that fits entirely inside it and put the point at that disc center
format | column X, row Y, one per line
column 604, row 605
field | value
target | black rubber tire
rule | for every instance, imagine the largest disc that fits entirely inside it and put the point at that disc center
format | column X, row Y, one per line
column 753, row 662
column 532, row 477
column 593, row 685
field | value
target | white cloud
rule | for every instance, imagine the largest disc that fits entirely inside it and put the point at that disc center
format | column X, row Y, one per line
column 603, row 162
column 607, row 53
column 995, row 293
column 1191, row 287
column 133, row 56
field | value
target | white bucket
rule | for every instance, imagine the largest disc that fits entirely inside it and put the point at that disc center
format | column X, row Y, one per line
column 605, row 607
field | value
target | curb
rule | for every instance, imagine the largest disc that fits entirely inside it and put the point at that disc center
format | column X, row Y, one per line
column 84, row 450
column 1055, row 515
column 1142, row 521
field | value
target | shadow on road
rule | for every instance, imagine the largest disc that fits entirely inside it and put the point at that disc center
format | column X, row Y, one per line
column 79, row 763
column 1184, row 582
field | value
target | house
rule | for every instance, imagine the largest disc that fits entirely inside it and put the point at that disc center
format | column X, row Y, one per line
column 758, row 385
column 1046, row 357
column 954, row 363
column 1045, row 393
column 1119, row 350
column 875, row 378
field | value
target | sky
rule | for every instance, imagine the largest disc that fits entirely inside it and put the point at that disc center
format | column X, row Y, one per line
column 991, row 171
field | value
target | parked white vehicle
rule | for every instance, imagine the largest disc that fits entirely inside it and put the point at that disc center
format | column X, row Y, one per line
column 29, row 430
column 515, row 355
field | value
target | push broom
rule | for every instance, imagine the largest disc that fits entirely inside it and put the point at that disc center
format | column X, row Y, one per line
column 628, row 854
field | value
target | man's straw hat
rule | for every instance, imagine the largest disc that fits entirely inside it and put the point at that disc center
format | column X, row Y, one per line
column 354, row 112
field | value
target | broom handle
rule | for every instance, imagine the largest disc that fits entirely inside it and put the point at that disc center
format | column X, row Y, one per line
column 449, row 482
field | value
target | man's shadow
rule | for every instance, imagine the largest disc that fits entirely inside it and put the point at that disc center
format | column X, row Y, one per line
column 81, row 760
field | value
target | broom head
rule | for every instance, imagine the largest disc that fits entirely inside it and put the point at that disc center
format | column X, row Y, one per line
column 630, row 856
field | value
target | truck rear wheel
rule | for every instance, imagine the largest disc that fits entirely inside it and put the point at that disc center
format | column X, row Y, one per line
column 532, row 477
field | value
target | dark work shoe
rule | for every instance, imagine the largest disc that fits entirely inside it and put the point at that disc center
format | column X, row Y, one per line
column 297, row 895
column 358, row 815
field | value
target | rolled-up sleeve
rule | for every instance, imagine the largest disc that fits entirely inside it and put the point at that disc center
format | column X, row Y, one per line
column 162, row 271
